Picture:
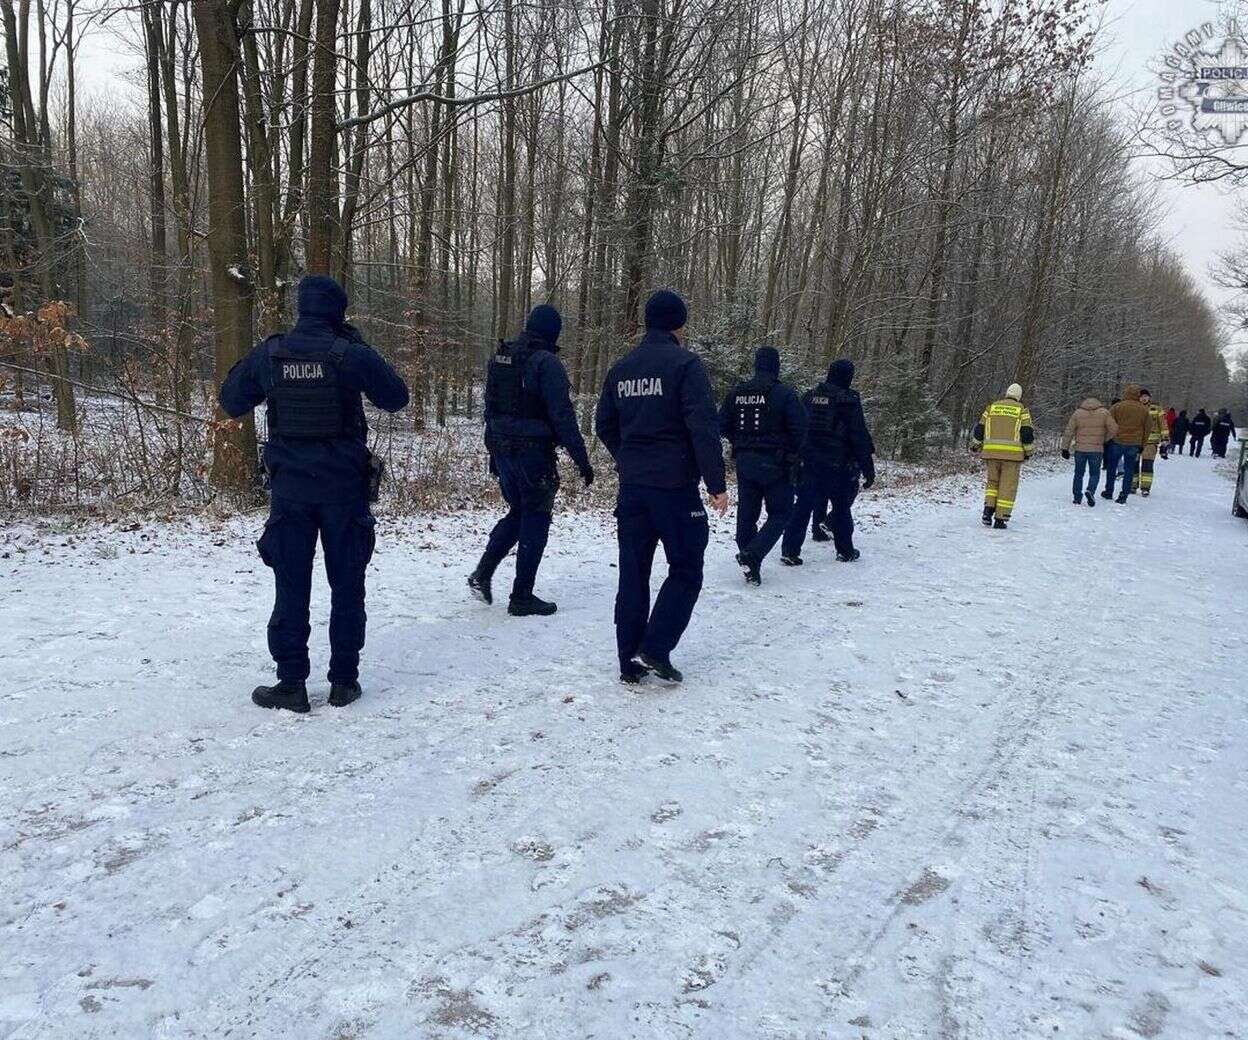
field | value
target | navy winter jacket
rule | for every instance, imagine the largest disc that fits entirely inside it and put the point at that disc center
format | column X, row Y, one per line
column 317, row 471
column 657, row 417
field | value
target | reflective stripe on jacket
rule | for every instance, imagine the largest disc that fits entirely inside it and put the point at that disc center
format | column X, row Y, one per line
column 1005, row 431
column 1158, row 430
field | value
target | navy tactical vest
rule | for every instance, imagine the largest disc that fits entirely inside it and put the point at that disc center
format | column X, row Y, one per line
column 829, row 421
column 307, row 400
column 506, row 395
column 756, row 421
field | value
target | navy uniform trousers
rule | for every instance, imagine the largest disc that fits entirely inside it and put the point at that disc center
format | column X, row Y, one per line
column 645, row 517
column 761, row 480
column 288, row 545
column 529, row 482
column 837, row 487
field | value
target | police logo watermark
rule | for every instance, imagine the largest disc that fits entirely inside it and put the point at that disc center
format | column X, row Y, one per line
column 1204, row 79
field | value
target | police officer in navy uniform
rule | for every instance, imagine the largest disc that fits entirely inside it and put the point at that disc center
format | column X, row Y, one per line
column 766, row 424
column 318, row 462
column 658, row 419
column 528, row 411
column 837, row 454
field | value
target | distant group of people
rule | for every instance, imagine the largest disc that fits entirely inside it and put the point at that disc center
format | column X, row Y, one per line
column 1220, row 430
column 1124, row 440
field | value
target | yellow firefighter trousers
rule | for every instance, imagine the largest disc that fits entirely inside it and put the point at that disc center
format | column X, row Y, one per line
column 1144, row 475
column 1002, row 486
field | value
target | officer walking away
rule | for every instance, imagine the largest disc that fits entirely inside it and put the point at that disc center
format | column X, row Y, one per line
column 1133, row 420
column 1178, row 432
column 838, row 451
column 1158, row 442
column 1223, row 430
column 765, row 423
column 1088, row 430
column 320, row 472
column 528, row 411
column 1199, row 429
column 657, row 417
column 1004, row 437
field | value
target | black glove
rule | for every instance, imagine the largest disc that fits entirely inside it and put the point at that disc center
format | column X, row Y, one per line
column 868, row 480
column 1065, row 453
column 587, row 474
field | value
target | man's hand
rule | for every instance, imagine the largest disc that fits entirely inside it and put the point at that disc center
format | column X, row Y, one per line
column 1066, row 453
column 719, row 502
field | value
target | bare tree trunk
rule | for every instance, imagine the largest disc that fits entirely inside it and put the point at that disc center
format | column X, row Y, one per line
column 33, row 159
column 322, row 198
column 507, row 208
column 158, row 256
column 234, row 447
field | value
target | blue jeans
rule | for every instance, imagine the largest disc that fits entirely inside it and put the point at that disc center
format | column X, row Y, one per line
column 1089, row 461
column 1124, row 457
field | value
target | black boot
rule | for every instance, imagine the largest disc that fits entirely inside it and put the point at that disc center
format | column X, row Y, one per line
column 749, row 565
column 663, row 668
column 999, row 524
column 479, row 582
column 632, row 672
column 1122, row 499
column 1078, row 500
column 819, row 533
column 1091, row 498
column 289, row 694
column 987, row 517
column 1107, row 494
column 848, row 556
column 528, row 605
column 343, row 693
column 790, row 559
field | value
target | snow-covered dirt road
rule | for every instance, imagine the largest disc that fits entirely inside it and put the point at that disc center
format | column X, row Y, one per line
column 979, row 785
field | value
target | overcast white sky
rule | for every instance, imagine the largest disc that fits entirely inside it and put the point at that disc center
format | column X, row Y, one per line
column 1197, row 221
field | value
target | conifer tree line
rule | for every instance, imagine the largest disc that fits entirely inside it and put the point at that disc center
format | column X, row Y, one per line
column 937, row 189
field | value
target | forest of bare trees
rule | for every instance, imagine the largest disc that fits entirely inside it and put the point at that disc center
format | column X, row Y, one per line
column 939, row 189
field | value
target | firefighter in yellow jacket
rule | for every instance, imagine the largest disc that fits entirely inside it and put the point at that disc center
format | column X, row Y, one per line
column 1004, row 437
column 1158, row 439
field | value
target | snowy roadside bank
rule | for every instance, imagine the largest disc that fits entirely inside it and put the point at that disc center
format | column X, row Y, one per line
column 973, row 786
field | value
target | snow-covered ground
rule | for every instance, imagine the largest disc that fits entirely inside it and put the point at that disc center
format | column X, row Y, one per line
column 979, row 785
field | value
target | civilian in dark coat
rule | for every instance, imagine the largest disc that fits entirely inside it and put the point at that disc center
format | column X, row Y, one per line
column 1178, row 432
column 312, row 378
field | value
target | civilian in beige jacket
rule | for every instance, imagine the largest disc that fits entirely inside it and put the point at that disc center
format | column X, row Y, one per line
column 1088, row 430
